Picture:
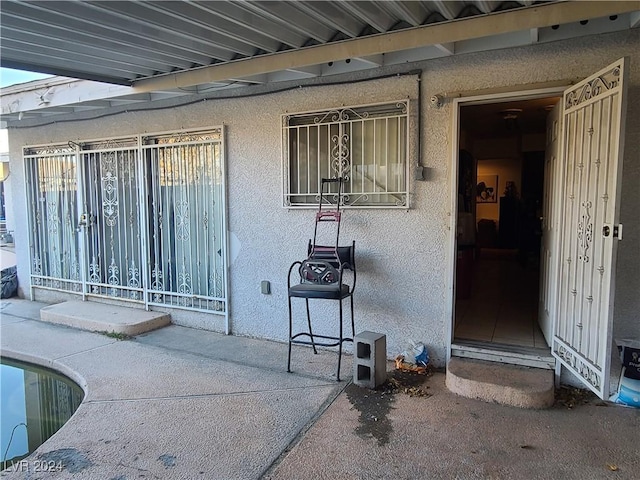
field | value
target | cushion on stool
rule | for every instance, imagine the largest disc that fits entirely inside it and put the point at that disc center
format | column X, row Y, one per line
column 314, row 290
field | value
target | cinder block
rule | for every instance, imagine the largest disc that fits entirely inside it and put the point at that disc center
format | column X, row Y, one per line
column 370, row 359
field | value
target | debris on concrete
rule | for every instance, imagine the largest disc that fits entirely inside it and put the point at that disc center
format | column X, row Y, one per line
column 402, row 365
column 374, row 405
column 409, row 382
column 416, row 354
column 573, row 397
column 9, row 282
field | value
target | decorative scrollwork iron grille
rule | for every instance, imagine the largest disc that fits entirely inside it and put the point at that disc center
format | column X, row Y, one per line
column 368, row 146
column 114, row 242
column 153, row 228
column 52, row 212
column 186, row 220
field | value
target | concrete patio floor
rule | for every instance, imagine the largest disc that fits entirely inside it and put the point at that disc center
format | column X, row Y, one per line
column 179, row 403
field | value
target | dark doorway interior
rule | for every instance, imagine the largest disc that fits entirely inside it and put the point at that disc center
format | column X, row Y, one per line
column 497, row 271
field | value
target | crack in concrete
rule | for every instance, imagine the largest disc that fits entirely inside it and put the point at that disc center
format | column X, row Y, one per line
column 208, row 395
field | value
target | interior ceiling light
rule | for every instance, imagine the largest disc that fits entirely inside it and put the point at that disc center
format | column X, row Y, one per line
column 511, row 113
column 510, row 117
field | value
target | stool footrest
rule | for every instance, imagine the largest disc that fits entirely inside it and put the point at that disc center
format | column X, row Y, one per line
column 336, row 340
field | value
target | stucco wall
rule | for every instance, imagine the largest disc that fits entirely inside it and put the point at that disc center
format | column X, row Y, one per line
column 402, row 256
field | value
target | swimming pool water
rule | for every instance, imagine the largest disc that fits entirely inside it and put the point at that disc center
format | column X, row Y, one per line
column 34, row 404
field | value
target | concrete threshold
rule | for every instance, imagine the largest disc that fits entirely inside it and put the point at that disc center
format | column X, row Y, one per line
column 512, row 385
column 503, row 353
column 101, row 317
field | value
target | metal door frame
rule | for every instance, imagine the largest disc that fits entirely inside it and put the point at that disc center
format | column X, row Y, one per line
column 457, row 104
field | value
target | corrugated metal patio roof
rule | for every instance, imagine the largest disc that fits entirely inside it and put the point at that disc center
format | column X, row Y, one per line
column 124, row 41
column 159, row 49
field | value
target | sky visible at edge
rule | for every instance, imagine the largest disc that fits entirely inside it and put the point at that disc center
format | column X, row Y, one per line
column 10, row 77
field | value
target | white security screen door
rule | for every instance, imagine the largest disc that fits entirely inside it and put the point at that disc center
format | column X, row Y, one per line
column 592, row 143
column 52, row 206
column 111, row 217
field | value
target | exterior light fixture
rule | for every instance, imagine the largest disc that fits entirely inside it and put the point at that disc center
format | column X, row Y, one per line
column 4, row 171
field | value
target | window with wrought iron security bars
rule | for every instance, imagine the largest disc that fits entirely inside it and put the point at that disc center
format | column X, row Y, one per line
column 139, row 219
column 368, row 146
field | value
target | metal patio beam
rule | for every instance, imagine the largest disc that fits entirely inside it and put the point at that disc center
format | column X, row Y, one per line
column 524, row 18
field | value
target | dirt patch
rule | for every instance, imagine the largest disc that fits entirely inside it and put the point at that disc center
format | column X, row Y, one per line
column 570, row 397
column 375, row 405
column 409, row 383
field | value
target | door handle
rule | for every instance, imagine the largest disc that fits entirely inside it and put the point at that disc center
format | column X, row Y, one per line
column 86, row 220
column 607, row 230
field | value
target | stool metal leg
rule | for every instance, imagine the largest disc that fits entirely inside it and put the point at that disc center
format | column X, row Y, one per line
column 309, row 323
column 290, row 333
column 339, row 345
column 353, row 327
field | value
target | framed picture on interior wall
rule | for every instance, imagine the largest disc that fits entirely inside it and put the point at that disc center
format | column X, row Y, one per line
column 487, row 189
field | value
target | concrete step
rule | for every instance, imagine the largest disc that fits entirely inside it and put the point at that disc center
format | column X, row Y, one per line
column 101, row 317
column 511, row 354
column 494, row 382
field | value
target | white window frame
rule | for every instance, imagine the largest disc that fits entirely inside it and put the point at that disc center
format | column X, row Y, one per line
column 330, row 151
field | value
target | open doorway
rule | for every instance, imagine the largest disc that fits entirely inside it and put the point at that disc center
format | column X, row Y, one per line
column 580, row 224
column 503, row 183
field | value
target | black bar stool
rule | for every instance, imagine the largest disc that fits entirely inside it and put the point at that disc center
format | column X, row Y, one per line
column 321, row 276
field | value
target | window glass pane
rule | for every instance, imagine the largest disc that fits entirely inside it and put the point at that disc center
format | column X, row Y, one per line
column 365, row 145
column 313, row 164
column 324, row 140
column 293, row 161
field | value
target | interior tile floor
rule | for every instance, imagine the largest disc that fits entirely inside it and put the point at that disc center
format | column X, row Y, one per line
column 503, row 305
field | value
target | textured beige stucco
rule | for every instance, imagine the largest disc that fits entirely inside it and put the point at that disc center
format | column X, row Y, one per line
column 402, row 255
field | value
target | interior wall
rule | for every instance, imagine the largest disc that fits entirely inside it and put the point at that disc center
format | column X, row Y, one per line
column 508, row 170
column 500, row 153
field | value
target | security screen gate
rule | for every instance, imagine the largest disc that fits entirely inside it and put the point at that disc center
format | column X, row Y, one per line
column 111, row 219
column 51, row 176
column 140, row 219
column 593, row 144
